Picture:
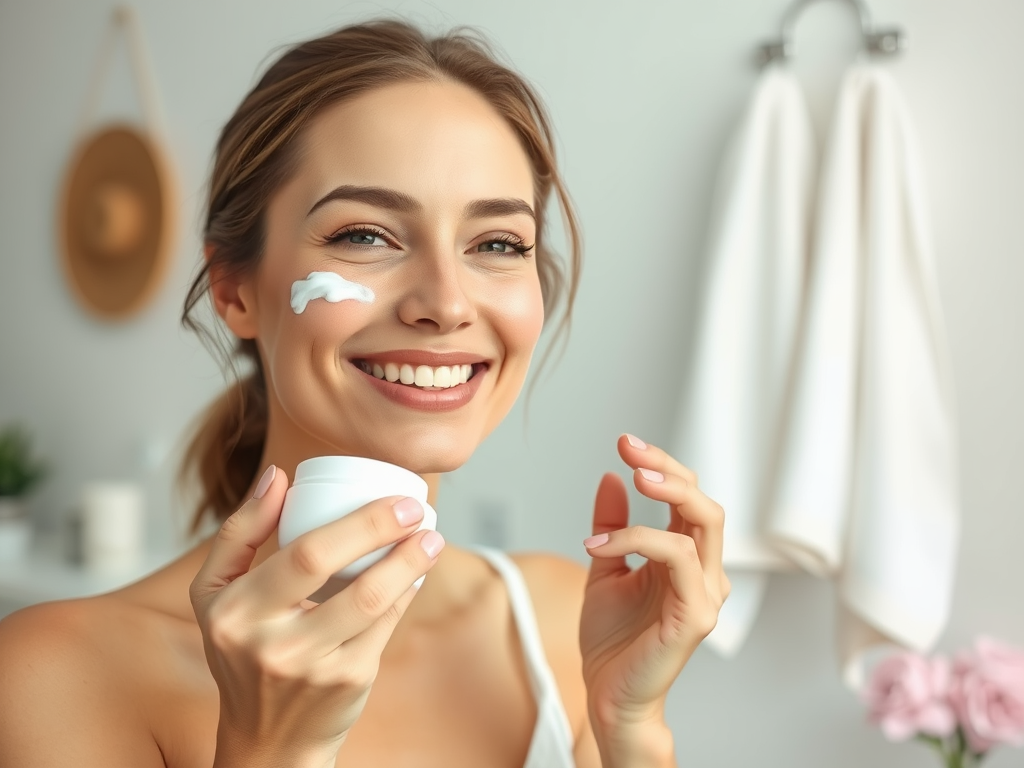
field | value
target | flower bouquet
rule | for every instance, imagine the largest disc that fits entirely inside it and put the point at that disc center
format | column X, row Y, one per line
column 962, row 708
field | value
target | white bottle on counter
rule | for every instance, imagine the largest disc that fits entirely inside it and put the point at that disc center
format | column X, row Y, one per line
column 112, row 526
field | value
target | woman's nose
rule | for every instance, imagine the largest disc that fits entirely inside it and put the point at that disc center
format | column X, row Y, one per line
column 435, row 297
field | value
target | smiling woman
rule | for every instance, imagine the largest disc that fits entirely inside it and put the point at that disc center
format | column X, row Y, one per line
column 375, row 242
column 419, row 108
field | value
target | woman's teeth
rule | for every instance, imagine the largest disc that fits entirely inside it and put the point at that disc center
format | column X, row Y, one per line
column 424, row 376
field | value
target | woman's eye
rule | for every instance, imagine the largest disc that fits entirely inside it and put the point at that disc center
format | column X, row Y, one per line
column 503, row 246
column 361, row 238
column 495, row 246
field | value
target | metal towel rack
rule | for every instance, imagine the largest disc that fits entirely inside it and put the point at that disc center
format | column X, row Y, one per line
column 887, row 41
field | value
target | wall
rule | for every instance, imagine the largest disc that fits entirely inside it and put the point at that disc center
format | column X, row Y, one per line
column 643, row 96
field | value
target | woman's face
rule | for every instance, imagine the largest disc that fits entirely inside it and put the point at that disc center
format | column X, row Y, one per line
column 422, row 193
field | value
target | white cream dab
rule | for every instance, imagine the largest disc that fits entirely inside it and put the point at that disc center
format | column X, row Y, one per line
column 327, row 285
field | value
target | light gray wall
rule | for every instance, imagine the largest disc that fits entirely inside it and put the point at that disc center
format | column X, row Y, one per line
column 643, row 95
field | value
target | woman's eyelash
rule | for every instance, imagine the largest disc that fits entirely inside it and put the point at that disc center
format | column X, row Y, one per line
column 340, row 235
column 515, row 243
column 512, row 241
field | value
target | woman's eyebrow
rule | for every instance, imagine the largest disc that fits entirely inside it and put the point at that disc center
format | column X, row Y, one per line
column 499, row 206
column 379, row 197
column 391, row 199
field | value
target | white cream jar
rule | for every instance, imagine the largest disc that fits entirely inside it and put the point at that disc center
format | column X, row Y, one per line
column 327, row 488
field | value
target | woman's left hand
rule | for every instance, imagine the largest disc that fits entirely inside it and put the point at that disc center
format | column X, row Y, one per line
column 639, row 627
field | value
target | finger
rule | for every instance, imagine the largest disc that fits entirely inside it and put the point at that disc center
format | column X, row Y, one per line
column 704, row 518
column 676, row 551
column 234, row 547
column 303, row 566
column 359, row 607
column 611, row 512
column 370, row 643
column 636, row 453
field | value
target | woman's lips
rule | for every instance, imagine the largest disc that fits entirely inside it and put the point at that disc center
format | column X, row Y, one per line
column 420, row 399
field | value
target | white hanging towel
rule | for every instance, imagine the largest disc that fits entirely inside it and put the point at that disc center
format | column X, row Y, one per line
column 867, row 487
column 728, row 427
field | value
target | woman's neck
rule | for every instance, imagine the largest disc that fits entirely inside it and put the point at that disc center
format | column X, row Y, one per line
column 286, row 446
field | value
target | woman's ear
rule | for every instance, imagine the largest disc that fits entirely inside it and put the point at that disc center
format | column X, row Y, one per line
column 233, row 296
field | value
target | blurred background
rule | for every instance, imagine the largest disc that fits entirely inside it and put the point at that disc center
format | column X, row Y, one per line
column 644, row 96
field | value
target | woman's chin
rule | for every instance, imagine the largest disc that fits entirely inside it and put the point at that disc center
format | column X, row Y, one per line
column 423, row 460
column 428, row 462
column 420, row 449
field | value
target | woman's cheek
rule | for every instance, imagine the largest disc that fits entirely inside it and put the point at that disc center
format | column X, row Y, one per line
column 307, row 351
column 323, row 307
column 520, row 312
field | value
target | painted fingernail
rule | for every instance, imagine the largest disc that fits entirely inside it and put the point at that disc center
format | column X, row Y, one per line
column 408, row 511
column 264, row 484
column 595, row 541
column 635, row 441
column 432, row 543
column 650, row 474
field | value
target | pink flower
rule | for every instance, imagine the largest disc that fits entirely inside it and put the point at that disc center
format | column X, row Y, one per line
column 987, row 694
column 906, row 695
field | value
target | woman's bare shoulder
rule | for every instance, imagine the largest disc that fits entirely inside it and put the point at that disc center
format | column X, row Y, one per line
column 103, row 629
column 65, row 677
column 64, row 634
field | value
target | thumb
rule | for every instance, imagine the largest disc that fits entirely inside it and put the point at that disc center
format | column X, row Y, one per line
column 611, row 513
column 234, row 547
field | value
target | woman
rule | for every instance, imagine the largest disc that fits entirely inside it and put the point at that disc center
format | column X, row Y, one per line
column 420, row 169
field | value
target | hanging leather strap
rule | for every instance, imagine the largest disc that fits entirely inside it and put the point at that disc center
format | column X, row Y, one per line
column 125, row 20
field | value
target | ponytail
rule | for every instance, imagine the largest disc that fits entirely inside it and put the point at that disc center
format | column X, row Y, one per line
column 224, row 453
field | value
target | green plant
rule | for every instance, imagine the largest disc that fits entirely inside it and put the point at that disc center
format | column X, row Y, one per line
column 19, row 472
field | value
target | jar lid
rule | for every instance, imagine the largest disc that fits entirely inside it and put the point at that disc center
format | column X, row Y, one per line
column 357, row 469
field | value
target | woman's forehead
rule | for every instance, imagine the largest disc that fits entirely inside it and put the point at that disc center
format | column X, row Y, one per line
column 424, row 138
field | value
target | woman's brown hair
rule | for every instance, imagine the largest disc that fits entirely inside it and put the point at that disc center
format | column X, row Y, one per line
column 254, row 157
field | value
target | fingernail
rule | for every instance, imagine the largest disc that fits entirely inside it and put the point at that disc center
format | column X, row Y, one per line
column 264, row 484
column 650, row 474
column 635, row 441
column 432, row 543
column 595, row 541
column 408, row 511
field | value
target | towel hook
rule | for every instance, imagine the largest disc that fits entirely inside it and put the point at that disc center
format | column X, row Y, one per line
column 883, row 41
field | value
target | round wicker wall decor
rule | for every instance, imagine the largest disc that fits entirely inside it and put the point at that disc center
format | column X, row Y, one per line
column 115, row 221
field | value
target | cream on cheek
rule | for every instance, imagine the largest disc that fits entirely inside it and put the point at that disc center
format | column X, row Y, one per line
column 329, row 286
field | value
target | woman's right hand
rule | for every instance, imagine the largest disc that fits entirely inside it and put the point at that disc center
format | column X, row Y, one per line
column 294, row 676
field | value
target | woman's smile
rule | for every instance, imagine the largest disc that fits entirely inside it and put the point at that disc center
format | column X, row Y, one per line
column 414, row 380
